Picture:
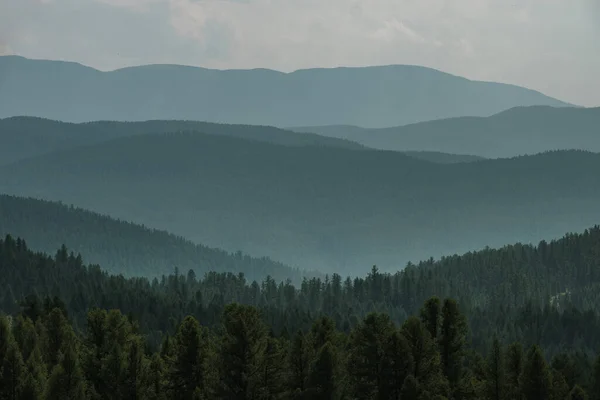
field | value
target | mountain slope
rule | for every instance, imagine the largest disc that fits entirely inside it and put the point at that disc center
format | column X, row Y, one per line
column 317, row 207
column 518, row 131
column 24, row 137
column 370, row 96
column 121, row 247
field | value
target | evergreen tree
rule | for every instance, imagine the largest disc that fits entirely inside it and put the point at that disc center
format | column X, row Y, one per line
column 135, row 368
column 67, row 382
column 240, row 353
column 536, row 380
column 513, row 370
column 431, row 316
column 322, row 383
column 397, row 365
column 426, row 357
column 452, row 341
column 495, row 378
column 297, row 364
column 369, row 360
column 188, row 369
column 271, row 379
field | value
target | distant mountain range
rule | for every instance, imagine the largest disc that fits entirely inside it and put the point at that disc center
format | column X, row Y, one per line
column 518, row 131
column 318, row 207
column 369, row 97
column 125, row 248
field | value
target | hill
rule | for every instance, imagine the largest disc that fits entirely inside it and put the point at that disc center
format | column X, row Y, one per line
column 518, row 131
column 442, row 158
column 124, row 248
column 510, row 292
column 370, row 96
column 320, row 208
column 24, row 137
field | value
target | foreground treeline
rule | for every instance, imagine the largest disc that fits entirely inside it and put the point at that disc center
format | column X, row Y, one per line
column 547, row 295
column 427, row 357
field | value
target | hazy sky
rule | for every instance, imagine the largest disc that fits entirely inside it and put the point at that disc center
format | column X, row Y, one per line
column 549, row 45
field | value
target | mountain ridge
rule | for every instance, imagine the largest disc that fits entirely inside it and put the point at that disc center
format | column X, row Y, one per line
column 341, row 211
column 519, row 130
column 375, row 96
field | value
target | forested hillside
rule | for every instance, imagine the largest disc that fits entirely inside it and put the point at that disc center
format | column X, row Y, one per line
column 371, row 97
column 24, row 137
column 518, row 292
column 319, row 208
column 232, row 340
column 518, row 131
column 125, row 248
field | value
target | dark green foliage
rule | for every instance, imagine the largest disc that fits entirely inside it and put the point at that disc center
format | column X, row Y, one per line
column 577, row 394
column 188, row 370
column 241, row 353
column 241, row 349
column 595, row 388
column 452, row 342
column 495, row 377
column 536, row 382
column 513, row 369
column 322, row 379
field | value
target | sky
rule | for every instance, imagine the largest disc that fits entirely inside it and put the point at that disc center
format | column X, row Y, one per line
column 549, row 45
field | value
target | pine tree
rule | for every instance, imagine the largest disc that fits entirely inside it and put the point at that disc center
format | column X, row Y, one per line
column 426, row 357
column 495, row 378
column 134, row 371
column 240, row 353
column 187, row 372
column 57, row 333
column 297, row 364
column 368, row 353
column 536, row 380
column 431, row 316
column 322, row 377
column 398, row 364
column 513, row 370
column 452, row 341
column 66, row 382
column 271, row 381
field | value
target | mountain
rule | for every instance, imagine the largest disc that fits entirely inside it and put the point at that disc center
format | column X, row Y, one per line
column 24, row 137
column 370, row 96
column 319, row 208
column 442, row 158
column 518, row 131
column 122, row 247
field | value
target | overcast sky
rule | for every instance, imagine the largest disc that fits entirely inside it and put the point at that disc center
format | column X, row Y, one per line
column 549, row 45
